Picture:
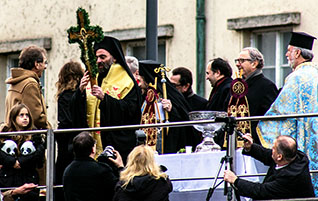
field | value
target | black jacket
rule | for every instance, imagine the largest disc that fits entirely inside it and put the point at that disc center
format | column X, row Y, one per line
column 144, row 188
column 11, row 177
column 64, row 140
column 261, row 94
column 196, row 103
column 220, row 96
column 85, row 179
column 291, row 181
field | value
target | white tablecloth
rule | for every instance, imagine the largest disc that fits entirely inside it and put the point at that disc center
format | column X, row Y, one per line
column 196, row 165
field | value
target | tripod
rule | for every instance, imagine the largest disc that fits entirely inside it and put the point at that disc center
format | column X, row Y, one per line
column 227, row 159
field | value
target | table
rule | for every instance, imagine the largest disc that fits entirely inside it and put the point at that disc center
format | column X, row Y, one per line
column 204, row 164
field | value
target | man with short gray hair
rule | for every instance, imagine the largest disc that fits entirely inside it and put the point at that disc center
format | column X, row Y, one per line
column 261, row 91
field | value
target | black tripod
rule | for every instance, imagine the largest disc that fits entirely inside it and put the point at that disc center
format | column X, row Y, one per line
column 227, row 159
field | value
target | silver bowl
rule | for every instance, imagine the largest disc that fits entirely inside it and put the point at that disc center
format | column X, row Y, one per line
column 207, row 130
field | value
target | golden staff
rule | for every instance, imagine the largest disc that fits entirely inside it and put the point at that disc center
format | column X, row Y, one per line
column 163, row 69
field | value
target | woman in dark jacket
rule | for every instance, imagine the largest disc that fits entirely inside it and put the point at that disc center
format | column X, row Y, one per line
column 68, row 80
column 142, row 179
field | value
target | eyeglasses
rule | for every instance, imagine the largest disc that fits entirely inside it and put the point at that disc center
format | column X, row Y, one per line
column 176, row 85
column 241, row 60
column 45, row 63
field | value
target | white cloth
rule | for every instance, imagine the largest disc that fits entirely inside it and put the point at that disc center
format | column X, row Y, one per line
column 204, row 164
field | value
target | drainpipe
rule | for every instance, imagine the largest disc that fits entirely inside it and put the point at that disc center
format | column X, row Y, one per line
column 200, row 47
column 151, row 30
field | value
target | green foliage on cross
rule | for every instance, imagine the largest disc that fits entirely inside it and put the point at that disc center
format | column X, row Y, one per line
column 85, row 35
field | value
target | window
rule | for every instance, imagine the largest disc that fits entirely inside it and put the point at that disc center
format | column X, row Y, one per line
column 273, row 45
column 138, row 50
column 133, row 41
column 13, row 61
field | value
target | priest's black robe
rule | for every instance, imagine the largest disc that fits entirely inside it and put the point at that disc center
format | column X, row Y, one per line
column 113, row 112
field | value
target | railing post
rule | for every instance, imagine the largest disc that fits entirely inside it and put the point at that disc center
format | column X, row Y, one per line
column 49, row 164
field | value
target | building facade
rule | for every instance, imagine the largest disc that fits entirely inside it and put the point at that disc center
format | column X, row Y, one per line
column 228, row 27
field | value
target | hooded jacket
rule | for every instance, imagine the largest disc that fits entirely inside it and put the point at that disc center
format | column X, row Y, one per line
column 25, row 88
column 144, row 188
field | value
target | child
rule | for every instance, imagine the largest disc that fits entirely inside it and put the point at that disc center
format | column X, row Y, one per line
column 20, row 155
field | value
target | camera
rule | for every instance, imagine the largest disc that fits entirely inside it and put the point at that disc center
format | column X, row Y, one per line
column 140, row 137
column 109, row 152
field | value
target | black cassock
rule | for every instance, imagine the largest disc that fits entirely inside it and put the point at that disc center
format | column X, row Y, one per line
column 177, row 137
column 113, row 112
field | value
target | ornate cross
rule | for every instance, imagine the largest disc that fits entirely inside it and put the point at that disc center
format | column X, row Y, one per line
column 85, row 35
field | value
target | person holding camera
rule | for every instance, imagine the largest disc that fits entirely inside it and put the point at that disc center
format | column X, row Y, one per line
column 142, row 178
column 288, row 174
column 86, row 179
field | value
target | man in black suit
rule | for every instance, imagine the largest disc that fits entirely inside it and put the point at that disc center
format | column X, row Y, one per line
column 219, row 73
column 86, row 179
column 261, row 91
column 287, row 177
column 182, row 79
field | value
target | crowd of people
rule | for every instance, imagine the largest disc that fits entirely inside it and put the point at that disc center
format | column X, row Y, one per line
column 131, row 92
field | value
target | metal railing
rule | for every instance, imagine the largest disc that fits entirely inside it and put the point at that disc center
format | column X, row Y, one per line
column 51, row 148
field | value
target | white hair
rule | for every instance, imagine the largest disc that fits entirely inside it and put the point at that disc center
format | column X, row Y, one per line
column 132, row 63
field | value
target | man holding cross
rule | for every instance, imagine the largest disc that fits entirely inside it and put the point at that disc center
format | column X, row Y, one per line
column 114, row 101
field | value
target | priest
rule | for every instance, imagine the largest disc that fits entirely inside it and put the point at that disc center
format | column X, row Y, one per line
column 299, row 95
column 175, row 104
column 114, row 101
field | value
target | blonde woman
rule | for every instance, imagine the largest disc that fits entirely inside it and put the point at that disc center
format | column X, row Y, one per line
column 142, row 178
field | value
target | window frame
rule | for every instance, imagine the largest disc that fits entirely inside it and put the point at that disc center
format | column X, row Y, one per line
column 279, row 50
column 142, row 43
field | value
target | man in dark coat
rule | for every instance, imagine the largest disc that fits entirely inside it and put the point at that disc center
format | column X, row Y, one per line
column 117, row 96
column 182, row 79
column 261, row 91
column 219, row 73
column 85, row 179
column 287, row 177
column 177, row 137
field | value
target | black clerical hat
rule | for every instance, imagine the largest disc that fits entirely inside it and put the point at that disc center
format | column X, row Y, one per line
column 147, row 70
column 112, row 45
column 302, row 40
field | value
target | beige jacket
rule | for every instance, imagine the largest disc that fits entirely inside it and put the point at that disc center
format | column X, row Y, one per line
column 25, row 88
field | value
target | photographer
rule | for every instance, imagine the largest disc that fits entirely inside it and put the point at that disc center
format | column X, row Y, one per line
column 287, row 177
column 85, row 179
